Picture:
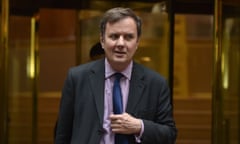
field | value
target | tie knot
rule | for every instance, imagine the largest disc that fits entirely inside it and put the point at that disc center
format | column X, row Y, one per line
column 118, row 76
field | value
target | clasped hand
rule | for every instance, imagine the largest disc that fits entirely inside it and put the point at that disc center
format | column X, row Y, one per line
column 125, row 124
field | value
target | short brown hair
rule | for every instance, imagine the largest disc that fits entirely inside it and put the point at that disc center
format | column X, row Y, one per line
column 115, row 14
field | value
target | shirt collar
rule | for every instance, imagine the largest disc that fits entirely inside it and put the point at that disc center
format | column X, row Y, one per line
column 109, row 71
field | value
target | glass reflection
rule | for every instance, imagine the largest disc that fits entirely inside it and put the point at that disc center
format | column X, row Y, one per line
column 193, row 63
column 226, row 104
column 20, row 85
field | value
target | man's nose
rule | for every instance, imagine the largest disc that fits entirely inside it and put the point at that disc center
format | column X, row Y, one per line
column 120, row 41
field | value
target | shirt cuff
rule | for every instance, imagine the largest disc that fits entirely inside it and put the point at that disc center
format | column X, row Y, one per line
column 138, row 137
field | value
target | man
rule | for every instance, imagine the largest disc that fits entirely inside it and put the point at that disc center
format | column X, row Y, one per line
column 88, row 106
column 96, row 51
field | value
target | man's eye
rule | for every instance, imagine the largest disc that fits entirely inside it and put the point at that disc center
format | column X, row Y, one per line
column 114, row 36
column 128, row 37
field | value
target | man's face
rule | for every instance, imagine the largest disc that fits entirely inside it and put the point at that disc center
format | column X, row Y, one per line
column 120, row 42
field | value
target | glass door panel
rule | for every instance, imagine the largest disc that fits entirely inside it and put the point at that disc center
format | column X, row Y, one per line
column 21, row 80
column 57, row 46
column 192, row 77
column 226, row 103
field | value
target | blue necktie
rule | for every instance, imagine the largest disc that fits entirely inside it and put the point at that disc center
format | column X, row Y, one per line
column 118, row 106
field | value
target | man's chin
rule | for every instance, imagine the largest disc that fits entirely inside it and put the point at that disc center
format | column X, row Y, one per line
column 120, row 60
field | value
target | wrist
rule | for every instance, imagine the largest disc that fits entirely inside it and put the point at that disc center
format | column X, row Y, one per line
column 138, row 127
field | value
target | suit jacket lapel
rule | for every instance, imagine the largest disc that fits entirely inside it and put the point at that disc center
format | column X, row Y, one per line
column 97, row 78
column 136, row 88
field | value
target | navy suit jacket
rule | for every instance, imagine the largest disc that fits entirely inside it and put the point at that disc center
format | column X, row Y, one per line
column 81, row 111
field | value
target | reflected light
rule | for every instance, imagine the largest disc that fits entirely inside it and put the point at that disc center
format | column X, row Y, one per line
column 30, row 67
column 159, row 7
column 31, row 58
column 146, row 59
column 225, row 55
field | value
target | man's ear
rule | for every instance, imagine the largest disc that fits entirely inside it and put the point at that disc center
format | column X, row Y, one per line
column 102, row 41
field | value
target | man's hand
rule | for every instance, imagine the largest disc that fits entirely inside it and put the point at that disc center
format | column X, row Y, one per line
column 125, row 124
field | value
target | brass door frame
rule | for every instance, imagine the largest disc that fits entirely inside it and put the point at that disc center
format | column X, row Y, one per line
column 4, row 71
column 222, row 123
column 217, row 97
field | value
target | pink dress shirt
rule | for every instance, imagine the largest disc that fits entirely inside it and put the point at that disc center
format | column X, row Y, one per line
column 108, row 137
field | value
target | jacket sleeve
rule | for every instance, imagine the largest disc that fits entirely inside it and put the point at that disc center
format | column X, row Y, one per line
column 161, row 129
